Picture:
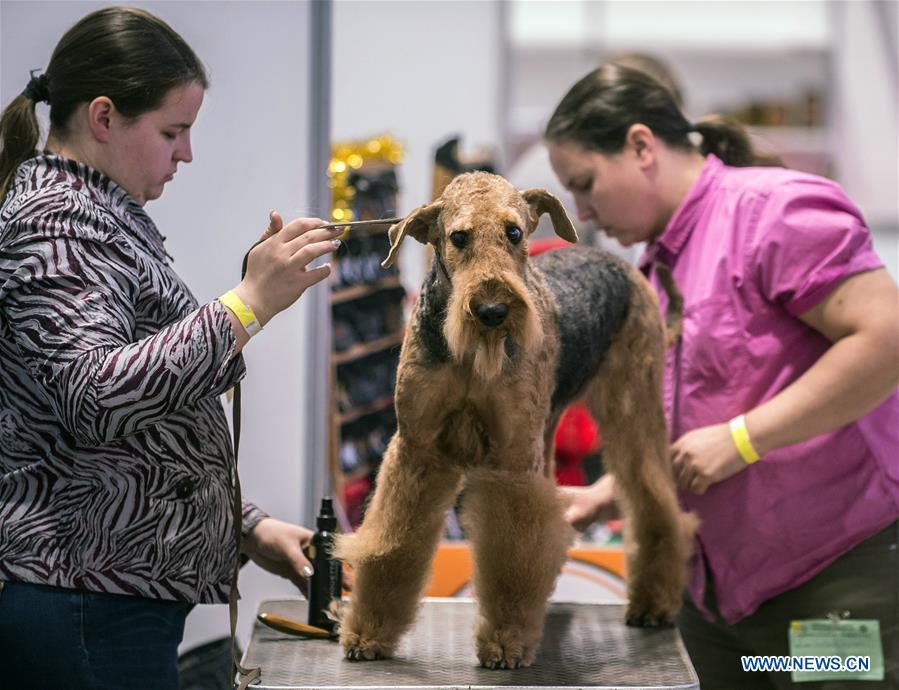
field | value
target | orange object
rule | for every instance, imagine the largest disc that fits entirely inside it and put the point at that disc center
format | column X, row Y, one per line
column 291, row 627
column 454, row 566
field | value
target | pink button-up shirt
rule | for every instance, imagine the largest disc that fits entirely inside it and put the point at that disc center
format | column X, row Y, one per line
column 751, row 249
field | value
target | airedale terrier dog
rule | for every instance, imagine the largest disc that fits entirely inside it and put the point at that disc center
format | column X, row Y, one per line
column 497, row 347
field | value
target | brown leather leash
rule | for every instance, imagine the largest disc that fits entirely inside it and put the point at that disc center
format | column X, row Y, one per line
column 245, row 675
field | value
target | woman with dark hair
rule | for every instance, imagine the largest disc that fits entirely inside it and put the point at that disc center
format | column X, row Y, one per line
column 781, row 394
column 116, row 470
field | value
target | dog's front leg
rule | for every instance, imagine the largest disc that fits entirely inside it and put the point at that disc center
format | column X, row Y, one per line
column 392, row 550
column 520, row 538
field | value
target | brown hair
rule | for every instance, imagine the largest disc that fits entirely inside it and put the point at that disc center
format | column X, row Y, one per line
column 124, row 53
column 598, row 111
column 656, row 68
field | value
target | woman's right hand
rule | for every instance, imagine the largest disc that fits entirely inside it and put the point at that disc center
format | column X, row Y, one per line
column 277, row 271
column 585, row 505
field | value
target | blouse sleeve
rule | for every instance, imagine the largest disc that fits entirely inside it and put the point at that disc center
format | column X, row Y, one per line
column 69, row 302
column 809, row 237
column 252, row 515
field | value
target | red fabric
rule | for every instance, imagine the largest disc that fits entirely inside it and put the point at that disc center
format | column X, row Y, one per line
column 354, row 495
column 576, row 437
column 539, row 246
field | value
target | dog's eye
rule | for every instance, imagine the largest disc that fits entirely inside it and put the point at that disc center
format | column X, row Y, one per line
column 459, row 238
column 513, row 232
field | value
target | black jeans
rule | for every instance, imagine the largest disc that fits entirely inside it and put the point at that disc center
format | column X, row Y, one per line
column 864, row 581
column 57, row 638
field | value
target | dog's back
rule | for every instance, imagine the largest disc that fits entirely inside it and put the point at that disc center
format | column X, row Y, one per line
column 592, row 290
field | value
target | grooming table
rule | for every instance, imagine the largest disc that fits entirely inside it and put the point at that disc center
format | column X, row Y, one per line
column 584, row 646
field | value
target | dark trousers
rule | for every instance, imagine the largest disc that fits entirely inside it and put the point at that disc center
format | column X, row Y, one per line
column 864, row 582
column 57, row 638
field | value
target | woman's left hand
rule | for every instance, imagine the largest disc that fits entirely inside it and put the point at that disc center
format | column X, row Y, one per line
column 278, row 548
column 705, row 456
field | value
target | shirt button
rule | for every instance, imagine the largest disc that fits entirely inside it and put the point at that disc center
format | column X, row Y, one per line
column 184, row 488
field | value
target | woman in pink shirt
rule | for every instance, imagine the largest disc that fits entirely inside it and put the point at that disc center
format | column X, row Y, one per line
column 780, row 396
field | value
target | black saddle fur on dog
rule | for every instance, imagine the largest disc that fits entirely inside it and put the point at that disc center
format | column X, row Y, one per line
column 592, row 289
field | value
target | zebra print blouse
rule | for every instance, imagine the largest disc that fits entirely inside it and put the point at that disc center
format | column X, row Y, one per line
column 115, row 458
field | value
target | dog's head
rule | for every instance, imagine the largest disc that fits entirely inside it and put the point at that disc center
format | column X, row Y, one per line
column 479, row 230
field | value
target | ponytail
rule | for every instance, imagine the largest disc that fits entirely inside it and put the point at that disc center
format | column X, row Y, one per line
column 19, row 136
column 727, row 139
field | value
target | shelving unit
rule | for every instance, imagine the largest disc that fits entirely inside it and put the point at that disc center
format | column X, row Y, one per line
column 368, row 323
column 358, row 291
column 364, row 349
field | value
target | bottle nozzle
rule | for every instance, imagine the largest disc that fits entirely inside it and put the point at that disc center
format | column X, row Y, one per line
column 326, row 519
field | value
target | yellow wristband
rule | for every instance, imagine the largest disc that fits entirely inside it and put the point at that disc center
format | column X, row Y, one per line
column 740, row 435
column 244, row 314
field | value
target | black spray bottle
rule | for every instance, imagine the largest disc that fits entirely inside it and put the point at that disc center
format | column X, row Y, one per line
column 326, row 583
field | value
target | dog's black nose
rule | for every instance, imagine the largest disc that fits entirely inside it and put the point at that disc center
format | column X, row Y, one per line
column 492, row 313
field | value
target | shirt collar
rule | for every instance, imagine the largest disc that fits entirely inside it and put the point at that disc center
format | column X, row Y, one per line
column 669, row 244
column 104, row 191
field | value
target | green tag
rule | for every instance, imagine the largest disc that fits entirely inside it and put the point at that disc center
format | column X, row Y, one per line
column 836, row 650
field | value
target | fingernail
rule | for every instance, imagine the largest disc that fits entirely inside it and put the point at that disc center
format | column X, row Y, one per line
column 271, row 214
column 336, row 243
column 307, row 571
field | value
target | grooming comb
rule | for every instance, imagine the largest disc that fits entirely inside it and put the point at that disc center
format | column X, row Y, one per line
column 360, row 223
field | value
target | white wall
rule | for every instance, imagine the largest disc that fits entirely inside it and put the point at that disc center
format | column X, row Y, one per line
column 421, row 71
column 729, row 24
column 865, row 110
column 865, row 124
column 249, row 147
column 723, row 51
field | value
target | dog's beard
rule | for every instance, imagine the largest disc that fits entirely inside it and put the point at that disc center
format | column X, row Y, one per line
column 484, row 348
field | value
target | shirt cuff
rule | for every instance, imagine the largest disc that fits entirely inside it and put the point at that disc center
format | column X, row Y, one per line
column 251, row 516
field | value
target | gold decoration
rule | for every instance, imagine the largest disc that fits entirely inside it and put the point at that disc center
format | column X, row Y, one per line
column 347, row 156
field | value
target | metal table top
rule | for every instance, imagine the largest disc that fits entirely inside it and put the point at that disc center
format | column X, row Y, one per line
column 584, row 646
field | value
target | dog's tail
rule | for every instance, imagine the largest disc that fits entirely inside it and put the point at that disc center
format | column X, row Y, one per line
column 674, row 316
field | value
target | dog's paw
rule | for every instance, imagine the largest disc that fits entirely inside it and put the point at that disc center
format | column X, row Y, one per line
column 652, row 608
column 644, row 619
column 504, row 649
column 359, row 648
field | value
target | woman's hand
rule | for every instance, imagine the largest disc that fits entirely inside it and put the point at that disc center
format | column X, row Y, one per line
column 277, row 271
column 705, row 456
column 588, row 504
column 278, row 548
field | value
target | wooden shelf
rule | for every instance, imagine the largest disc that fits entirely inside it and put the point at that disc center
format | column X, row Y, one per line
column 364, row 349
column 359, row 291
column 355, row 413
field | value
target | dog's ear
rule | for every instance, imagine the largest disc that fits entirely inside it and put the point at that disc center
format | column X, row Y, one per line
column 542, row 202
column 418, row 224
